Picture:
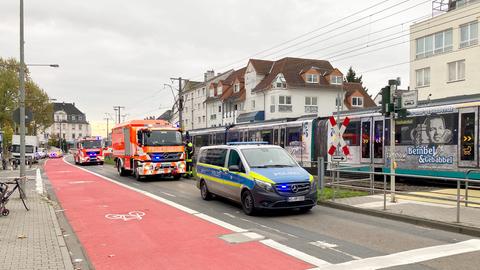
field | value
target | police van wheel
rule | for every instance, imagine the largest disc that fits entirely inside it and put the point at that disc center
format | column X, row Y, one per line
column 206, row 195
column 248, row 204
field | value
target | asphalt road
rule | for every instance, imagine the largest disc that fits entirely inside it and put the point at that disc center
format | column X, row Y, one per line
column 331, row 235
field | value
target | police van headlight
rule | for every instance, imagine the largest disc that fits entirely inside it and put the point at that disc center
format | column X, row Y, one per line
column 264, row 185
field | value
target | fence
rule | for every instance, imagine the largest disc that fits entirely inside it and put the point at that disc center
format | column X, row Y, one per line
column 338, row 180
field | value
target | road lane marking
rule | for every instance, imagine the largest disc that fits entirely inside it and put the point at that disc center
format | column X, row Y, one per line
column 229, row 215
column 295, row 253
column 408, row 257
column 220, row 223
column 168, row 194
column 268, row 242
column 325, row 245
column 269, row 228
column 138, row 215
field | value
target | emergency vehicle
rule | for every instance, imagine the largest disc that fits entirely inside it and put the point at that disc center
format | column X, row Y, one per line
column 89, row 151
column 148, row 148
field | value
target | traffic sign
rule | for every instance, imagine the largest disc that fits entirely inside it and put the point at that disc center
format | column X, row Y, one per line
column 28, row 116
column 409, row 99
column 337, row 137
column 339, row 158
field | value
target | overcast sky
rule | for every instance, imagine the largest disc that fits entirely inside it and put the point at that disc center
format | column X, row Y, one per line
column 122, row 52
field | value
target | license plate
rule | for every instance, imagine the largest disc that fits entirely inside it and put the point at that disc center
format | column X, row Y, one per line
column 296, row 199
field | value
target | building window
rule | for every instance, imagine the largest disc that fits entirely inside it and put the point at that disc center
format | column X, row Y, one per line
column 73, row 127
column 272, row 104
column 219, row 109
column 284, row 103
column 235, row 107
column 357, row 101
column 456, row 71
column 311, row 105
column 312, row 78
column 253, row 104
column 236, row 88
column 336, row 80
column 219, row 90
column 73, row 117
column 203, row 118
column 423, row 77
column 73, row 135
column 280, row 82
column 80, row 118
column 213, row 117
column 437, row 43
column 469, row 34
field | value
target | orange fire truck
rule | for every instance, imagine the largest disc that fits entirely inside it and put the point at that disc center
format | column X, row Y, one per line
column 89, row 151
column 148, row 148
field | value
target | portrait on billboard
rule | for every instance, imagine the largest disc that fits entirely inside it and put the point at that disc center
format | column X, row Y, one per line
column 428, row 130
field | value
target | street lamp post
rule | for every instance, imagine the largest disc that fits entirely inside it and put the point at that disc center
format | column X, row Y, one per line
column 22, row 102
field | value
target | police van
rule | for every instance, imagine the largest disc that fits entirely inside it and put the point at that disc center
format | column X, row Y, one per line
column 257, row 175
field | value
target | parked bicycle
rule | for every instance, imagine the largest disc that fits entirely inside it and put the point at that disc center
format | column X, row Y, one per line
column 6, row 192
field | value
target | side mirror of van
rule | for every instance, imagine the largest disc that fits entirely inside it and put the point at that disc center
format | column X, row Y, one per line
column 234, row 168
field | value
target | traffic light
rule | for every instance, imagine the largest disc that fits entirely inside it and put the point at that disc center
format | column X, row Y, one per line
column 386, row 100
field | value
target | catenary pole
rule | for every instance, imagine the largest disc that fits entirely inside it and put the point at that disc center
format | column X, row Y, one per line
column 22, row 101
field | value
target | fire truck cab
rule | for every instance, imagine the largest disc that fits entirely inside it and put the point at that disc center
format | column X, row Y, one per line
column 148, row 148
column 89, row 151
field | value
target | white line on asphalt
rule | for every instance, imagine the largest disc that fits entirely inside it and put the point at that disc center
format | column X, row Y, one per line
column 220, row 223
column 325, row 245
column 168, row 194
column 229, row 215
column 268, row 242
column 269, row 228
column 408, row 257
column 295, row 253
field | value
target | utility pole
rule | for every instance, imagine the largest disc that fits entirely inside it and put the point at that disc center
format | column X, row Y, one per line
column 180, row 101
column 118, row 110
column 124, row 116
column 22, row 102
column 393, row 87
column 106, row 118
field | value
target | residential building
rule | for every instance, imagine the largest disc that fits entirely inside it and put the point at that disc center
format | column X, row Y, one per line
column 444, row 51
column 213, row 102
column 356, row 97
column 69, row 123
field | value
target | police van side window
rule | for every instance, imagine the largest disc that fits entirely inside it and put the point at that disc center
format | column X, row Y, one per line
column 216, row 157
column 234, row 159
column 203, row 157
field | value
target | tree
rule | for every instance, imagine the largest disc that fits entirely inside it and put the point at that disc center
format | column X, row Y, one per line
column 36, row 98
column 352, row 77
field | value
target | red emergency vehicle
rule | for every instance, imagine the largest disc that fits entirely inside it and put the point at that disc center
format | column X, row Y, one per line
column 89, row 151
column 148, row 148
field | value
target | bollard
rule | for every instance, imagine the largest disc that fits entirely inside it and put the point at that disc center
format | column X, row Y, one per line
column 458, row 201
column 384, row 192
column 320, row 173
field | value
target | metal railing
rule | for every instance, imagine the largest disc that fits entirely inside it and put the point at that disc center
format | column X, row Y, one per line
column 336, row 181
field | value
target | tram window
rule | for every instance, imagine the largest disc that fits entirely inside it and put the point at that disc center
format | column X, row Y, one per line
column 386, row 133
column 282, row 137
column 219, row 138
column 275, row 136
column 293, row 136
column 467, row 136
column 406, row 131
column 378, row 139
column 366, row 140
column 233, row 136
column 352, row 134
column 266, row 136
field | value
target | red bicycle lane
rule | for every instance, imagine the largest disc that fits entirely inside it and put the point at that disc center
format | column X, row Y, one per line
column 164, row 238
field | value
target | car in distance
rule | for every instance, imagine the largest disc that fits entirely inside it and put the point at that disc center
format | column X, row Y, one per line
column 258, row 176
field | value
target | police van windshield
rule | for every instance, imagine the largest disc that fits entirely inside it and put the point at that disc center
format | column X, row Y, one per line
column 162, row 138
column 268, row 158
column 92, row 144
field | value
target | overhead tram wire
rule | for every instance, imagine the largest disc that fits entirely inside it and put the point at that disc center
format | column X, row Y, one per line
column 342, row 26
column 346, row 25
column 305, row 34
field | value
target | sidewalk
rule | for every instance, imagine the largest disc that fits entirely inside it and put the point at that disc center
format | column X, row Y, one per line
column 31, row 239
column 431, row 212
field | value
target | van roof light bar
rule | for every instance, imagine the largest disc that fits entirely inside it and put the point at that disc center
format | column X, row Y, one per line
column 246, row 143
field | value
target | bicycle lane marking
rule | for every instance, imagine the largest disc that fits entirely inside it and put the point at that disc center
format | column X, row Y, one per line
column 165, row 237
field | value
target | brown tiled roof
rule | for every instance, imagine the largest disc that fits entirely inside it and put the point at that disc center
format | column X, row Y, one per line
column 350, row 88
column 262, row 67
column 230, row 81
column 292, row 69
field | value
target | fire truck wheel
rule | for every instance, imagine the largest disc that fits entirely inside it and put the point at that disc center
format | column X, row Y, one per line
column 177, row 177
column 138, row 177
column 120, row 169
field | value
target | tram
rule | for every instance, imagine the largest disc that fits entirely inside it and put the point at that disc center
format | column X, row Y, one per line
column 438, row 138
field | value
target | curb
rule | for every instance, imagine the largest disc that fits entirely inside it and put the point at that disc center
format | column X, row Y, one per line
column 440, row 225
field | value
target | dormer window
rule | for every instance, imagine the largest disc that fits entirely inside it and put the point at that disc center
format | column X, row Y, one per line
column 280, row 82
column 357, row 101
column 312, row 78
column 236, row 88
column 338, row 80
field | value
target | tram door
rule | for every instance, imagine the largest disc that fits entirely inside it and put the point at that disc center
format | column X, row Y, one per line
column 366, row 141
column 378, row 141
column 468, row 137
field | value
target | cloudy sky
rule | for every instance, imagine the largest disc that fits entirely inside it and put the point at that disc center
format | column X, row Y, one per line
column 122, row 52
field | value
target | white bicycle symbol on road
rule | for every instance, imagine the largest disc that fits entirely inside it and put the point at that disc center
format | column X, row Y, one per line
column 138, row 215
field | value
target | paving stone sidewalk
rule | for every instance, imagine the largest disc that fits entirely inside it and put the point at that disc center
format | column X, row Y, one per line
column 31, row 239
